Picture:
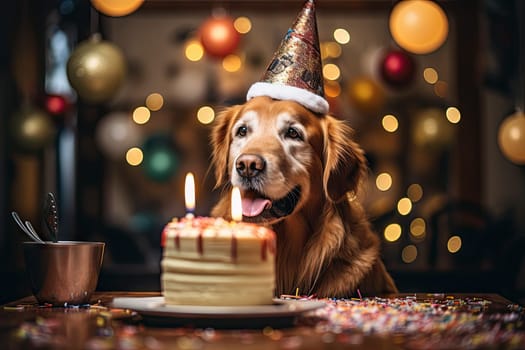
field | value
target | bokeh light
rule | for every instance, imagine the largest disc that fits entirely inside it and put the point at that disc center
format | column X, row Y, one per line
column 366, row 95
column 232, row 63
column 453, row 115
column 392, row 232
column 415, row 192
column 441, row 88
column 194, row 50
column 454, row 244
column 418, row 227
column 141, row 115
column 330, row 49
column 384, row 181
column 331, row 71
column 430, row 75
column 341, row 36
column 205, row 115
column 154, row 101
column 242, row 24
column 390, row 123
column 404, row 206
column 409, row 254
column 332, row 88
column 134, row 156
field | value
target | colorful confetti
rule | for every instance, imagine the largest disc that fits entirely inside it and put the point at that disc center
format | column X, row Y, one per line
column 434, row 322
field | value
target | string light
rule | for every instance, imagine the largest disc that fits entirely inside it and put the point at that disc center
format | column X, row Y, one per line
column 154, row 101
column 134, row 156
column 441, row 88
column 392, row 232
column 194, row 50
column 418, row 227
column 341, row 36
column 430, row 75
column 390, row 123
column 453, row 115
column 332, row 88
column 409, row 254
column 231, row 63
column 384, row 181
column 415, row 192
column 242, row 25
column 454, row 244
column 205, row 115
column 331, row 71
column 404, row 206
column 141, row 115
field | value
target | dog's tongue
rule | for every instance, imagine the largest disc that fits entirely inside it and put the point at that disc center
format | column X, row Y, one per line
column 254, row 206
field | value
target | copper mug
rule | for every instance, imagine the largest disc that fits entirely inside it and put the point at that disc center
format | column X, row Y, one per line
column 65, row 272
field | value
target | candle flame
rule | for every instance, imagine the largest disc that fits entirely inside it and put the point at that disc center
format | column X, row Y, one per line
column 236, row 204
column 189, row 193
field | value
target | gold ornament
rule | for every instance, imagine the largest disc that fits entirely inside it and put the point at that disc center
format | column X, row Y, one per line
column 32, row 129
column 511, row 138
column 116, row 8
column 418, row 26
column 432, row 130
column 96, row 69
column 219, row 37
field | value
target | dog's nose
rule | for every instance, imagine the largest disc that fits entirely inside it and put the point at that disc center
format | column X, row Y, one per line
column 249, row 165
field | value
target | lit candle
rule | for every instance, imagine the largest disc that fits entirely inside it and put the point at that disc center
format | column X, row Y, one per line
column 189, row 195
column 236, row 205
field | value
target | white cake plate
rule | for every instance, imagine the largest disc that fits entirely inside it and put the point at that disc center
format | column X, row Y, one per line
column 281, row 313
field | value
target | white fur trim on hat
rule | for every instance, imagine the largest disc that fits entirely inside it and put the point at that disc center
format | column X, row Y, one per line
column 308, row 99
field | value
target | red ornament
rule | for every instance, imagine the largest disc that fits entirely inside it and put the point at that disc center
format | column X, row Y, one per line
column 219, row 37
column 397, row 68
column 56, row 104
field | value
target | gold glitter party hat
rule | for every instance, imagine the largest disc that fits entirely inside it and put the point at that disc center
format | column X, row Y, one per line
column 295, row 72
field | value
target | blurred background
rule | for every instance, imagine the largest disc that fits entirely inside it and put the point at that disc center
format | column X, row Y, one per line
column 108, row 104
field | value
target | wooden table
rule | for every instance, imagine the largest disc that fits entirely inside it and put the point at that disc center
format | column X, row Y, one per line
column 25, row 325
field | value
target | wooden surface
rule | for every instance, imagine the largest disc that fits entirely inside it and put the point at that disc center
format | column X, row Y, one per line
column 25, row 325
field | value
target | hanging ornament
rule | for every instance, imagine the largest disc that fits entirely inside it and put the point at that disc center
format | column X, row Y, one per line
column 116, row 8
column 418, row 26
column 144, row 222
column 219, row 37
column 511, row 138
column 190, row 86
column 56, row 104
column 96, row 69
column 116, row 133
column 397, row 68
column 366, row 95
column 371, row 60
column 432, row 130
column 160, row 159
column 32, row 129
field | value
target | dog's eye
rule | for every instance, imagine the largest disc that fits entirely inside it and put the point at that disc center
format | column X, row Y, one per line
column 242, row 131
column 292, row 133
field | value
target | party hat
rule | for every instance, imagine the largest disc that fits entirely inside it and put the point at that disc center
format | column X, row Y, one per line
column 295, row 72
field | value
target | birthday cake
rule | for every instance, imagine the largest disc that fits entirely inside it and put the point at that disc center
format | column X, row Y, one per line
column 211, row 261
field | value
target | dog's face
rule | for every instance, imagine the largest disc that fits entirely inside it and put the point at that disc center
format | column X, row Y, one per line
column 283, row 157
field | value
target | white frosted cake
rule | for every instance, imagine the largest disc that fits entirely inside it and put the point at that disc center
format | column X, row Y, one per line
column 211, row 261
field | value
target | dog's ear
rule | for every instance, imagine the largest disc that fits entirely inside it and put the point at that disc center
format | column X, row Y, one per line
column 344, row 161
column 220, row 142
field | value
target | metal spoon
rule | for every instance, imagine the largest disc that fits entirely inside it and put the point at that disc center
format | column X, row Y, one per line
column 31, row 235
column 32, row 230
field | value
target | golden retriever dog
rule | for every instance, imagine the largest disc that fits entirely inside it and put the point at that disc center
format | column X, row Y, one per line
column 299, row 173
